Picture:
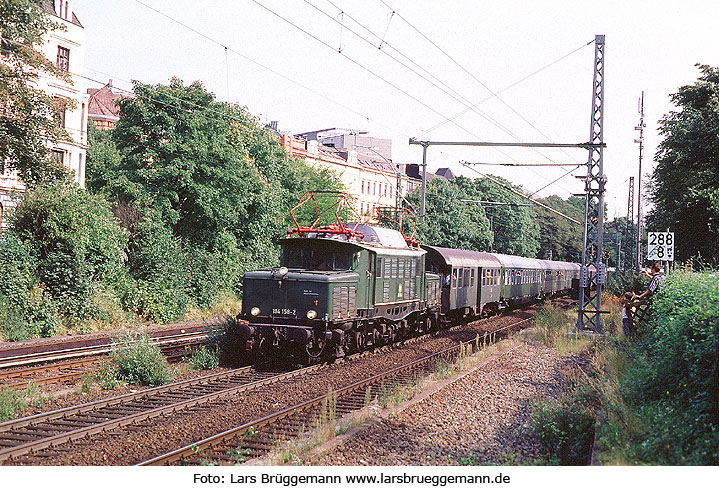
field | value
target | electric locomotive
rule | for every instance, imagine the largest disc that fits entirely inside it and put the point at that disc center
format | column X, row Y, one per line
column 340, row 289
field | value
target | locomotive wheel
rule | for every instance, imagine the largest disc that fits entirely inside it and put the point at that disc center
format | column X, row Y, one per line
column 359, row 340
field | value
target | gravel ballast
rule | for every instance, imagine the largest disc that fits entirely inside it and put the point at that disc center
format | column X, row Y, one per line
column 478, row 419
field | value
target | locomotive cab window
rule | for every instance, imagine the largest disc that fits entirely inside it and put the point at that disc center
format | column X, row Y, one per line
column 316, row 258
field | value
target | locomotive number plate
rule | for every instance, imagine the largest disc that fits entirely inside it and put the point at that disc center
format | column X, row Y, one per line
column 284, row 311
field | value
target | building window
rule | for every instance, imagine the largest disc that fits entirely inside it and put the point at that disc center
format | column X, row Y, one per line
column 63, row 59
column 58, row 155
column 362, row 186
column 61, row 108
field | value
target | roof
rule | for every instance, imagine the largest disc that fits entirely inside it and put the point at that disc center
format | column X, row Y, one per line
column 378, row 165
column 514, row 261
column 102, row 103
column 557, row 265
column 464, row 258
column 445, row 173
column 50, row 8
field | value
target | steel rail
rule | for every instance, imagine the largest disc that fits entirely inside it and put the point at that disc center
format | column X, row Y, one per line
column 194, row 449
column 49, row 355
column 95, row 428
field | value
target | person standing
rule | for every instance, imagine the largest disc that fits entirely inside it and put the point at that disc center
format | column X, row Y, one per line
column 656, row 282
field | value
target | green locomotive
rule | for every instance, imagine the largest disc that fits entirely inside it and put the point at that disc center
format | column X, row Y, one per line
column 340, row 289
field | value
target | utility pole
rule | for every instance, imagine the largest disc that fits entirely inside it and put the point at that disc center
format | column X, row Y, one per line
column 594, row 183
column 640, row 141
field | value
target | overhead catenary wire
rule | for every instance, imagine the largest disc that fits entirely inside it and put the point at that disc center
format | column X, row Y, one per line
column 401, row 63
column 265, row 67
column 468, row 165
column 446, row 89
column 358, row 64
column 463, row 68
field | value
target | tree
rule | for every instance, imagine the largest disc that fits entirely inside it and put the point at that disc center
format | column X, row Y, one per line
column 559, row 237
column 685, row 184
column 76, row 245
column 450, row 222
column 203, row 190
column 515, row 228
column 27, row 115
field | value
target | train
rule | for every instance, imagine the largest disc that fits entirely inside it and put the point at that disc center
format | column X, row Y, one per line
column 345, row 288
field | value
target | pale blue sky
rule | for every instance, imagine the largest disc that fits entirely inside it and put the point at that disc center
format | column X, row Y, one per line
column 650, row 46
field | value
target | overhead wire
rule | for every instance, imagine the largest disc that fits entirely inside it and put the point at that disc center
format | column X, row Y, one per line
column 360, row 65
column 494, row 94
column 265, row 67
column 448, row 90
column 464, row 69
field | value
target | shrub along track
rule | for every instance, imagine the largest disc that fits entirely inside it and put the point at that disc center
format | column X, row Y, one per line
column 162, row 433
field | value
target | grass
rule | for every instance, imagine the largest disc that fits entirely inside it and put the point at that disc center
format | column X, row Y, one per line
column 203, row 359
column 228, row 304
column 555, row 327
column 14, row 401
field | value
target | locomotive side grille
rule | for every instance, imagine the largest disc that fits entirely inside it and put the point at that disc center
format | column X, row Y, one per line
column 385, row 295
column 344, row 301
column 337, row 302
column 352, row 308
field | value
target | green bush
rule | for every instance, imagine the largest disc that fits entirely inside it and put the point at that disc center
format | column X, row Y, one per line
column 11, row 402
column 564, row 430
column 203, row 359
column 674, row 385
column 73, row 243
column 108, row 376
column 159, row 288
column 139, row 361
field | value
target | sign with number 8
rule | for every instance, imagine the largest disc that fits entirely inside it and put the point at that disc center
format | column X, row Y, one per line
column 660, row 245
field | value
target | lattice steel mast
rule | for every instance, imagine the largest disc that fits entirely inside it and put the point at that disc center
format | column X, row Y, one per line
column 594, row 182
column 640, row 141
column 630, row 227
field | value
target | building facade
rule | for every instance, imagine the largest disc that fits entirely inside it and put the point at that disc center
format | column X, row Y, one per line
column 66, row 49
column 353, row 140
column 373, row 183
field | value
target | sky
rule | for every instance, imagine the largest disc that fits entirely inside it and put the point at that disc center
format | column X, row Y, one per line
column 493, row 71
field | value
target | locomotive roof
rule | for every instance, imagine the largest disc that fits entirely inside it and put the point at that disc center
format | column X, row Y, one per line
column 464, row 258
column 381, row 240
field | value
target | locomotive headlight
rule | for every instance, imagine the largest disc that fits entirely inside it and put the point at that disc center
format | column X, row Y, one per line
column 283, row 271
column 255, row 311
column 311, row 314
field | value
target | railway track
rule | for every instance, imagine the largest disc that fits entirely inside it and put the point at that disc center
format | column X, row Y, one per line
column 66, row 360
column 256, row 438
column 50, row 434
column 34, row 434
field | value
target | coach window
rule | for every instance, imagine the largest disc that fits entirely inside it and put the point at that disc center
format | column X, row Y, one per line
column 379, row 267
